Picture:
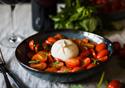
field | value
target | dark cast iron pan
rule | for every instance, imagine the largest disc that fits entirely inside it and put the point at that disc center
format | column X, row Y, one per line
column 22, row 49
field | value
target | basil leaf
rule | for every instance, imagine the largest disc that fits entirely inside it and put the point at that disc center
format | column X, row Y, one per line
column 34, row 61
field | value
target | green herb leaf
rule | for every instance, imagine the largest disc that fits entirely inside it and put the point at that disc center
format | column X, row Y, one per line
column 34, row 61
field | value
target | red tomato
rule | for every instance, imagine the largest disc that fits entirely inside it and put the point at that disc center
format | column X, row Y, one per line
column 51, row 69
column 64, row 69
column 73, row 62
column 114, row 84
column 90, row 66
column 93, row 53
column 102, row 53
column 40, row 66
column 103, row 59
column 50, row 40
column 31, row 44
column 85, row 53
column 100, row 47
column 41, row 55
column 58, row 36
column 86, row 62
column 57, row 64
column 76, row 69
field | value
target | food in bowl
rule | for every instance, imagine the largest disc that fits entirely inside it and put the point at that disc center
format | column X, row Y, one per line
column 61, row 54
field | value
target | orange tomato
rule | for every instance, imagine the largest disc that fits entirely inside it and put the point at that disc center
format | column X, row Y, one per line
column 51, row 69
column 50, row 40
column 73, row 62
column 102, row 53
column 100, row 47
column 39, row 66
column 41, row 55
column 58, row 36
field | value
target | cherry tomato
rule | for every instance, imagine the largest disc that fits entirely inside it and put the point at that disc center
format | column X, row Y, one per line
column 93, row 53
column 58, row 36
column 73, row 62
column 64, row 69
column 90, row 66
column 57, row 64
column 50, row 40
column 51, row 69
column 86, row 62
column 114, row 84
column 75, row 69
column 100, row 47
column 102, row 53
column 85, row 53
column 103, row 59
column 31, row 44
column 41, row 55
column 40, row 66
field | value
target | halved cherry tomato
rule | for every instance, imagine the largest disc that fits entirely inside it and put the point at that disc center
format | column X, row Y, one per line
column 51, row 69
column 73, row 62
column 40, row 66
column 103, row 59
column 90, row 66
column 85, row 53
column 114, row 84
column 93, row 53
column 100, row 47
column 33, row 46
column 75, row 69
column 58, row 36
column 86, row 62
column 102, row 53
column 64, row 69
column 41, row 55
column 50, row 40
column 57, row 64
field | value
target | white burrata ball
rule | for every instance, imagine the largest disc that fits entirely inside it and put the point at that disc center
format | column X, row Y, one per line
column 64, row 49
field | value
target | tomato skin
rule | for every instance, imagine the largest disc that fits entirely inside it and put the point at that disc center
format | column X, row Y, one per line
column 85, row 53
column 40, row 66
column 31, row 44
column 114, row 84
column 41, row 55
column 102, row 53
column 73, row 62
column 76, row 69
column 51, row 69
column 90, row 66
column 86, row 62
column 50, row 40
column 103, row 59
column 100, row 47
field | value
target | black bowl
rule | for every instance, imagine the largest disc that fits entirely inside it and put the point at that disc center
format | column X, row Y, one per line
column 22, row 49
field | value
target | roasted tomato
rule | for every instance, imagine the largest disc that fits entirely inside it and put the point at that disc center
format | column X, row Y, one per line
column 114, row 84
column 102, row 53
column 76, row 69
column 58, row 36
column 33, row 46
column 100, row 47
column 57, row 64
column 40, row 66
column 103, row 59
column 50, row 40
column 73, row 62
column 64, row 69
column 86, row 62
column 41, row 55
column 85, row 53
column 51, row 69
column 90, row 66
